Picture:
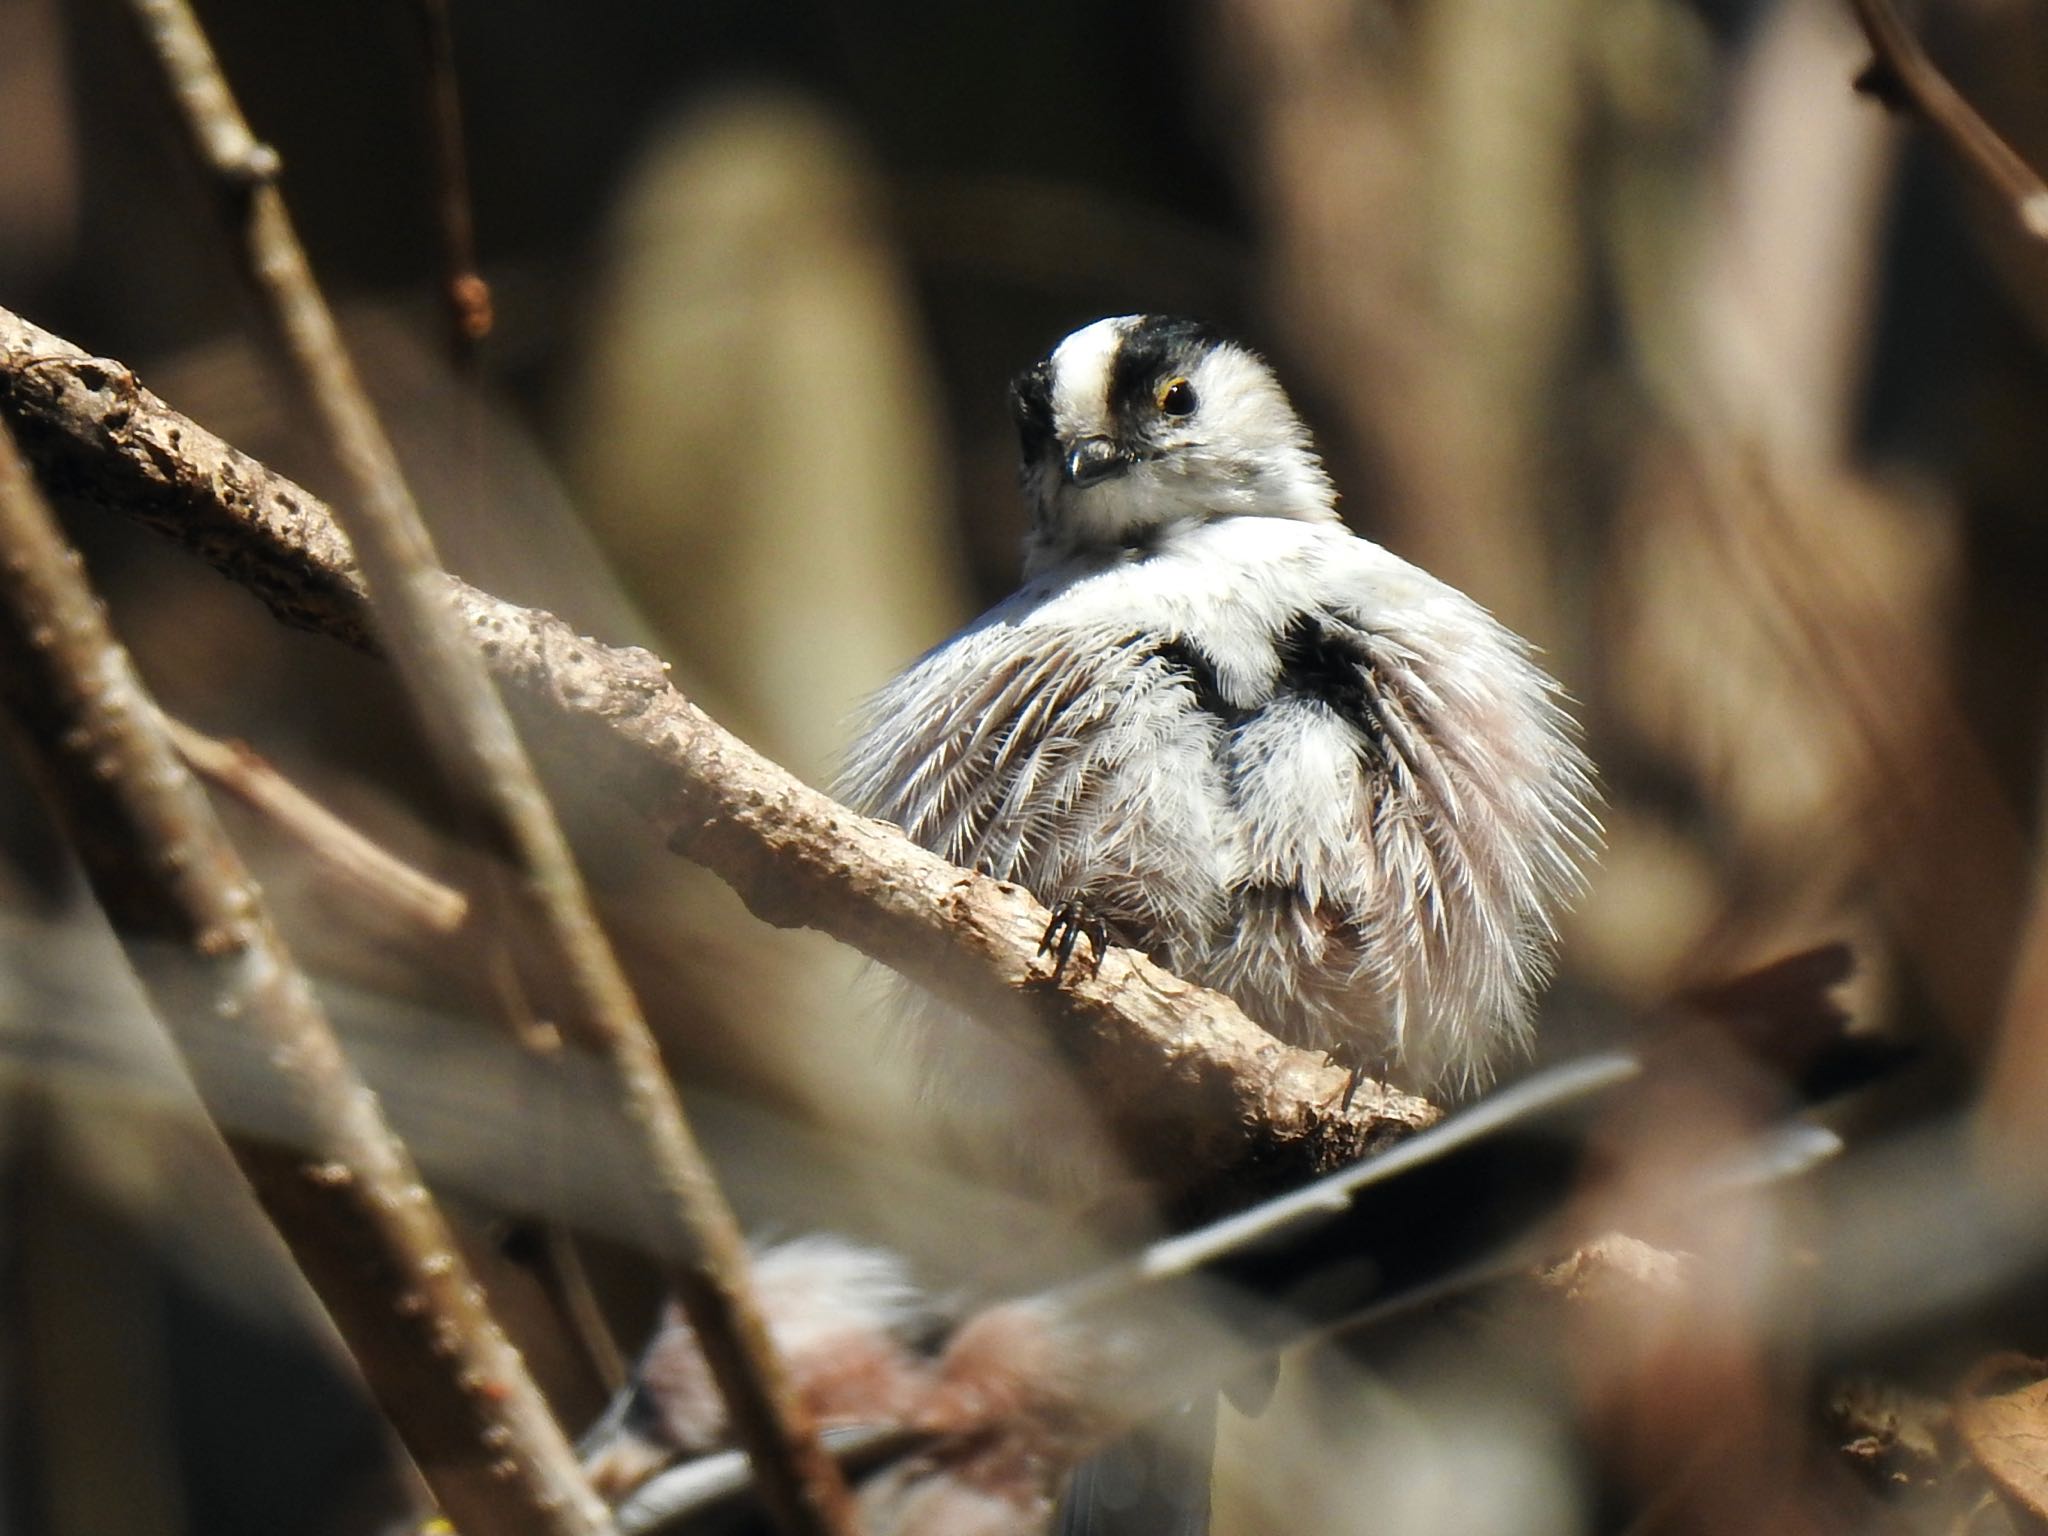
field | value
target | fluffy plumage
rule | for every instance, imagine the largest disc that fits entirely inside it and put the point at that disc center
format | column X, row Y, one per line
column 1279, row 759
column 848, row 1322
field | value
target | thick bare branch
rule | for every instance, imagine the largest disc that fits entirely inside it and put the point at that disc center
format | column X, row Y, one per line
column 685, row 1215
column 1200, row 1094
column 338, row 1184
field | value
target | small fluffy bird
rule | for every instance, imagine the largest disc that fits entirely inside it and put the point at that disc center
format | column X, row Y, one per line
column 1277, row 759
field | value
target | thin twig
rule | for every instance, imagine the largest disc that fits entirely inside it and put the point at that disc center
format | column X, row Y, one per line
column 378, row 874
column 1903, row 76
column 464, row 292
column 338, row 1184
column 1200, row 1096
column 578, row 1301
column 690, row 1226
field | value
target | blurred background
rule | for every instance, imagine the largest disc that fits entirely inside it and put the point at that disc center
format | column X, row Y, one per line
column 1627, row 316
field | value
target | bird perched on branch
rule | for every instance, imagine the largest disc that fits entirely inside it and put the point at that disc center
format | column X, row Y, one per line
column 1219, row 728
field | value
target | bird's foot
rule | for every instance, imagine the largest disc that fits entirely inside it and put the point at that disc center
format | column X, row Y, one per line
column 1351, row 1088
column 1070, row 920
column 1380, row 1070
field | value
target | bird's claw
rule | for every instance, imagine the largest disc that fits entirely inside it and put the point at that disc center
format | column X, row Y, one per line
column 1070, row 920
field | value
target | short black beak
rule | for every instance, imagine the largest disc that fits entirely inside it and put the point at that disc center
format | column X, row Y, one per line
column 1093, row 459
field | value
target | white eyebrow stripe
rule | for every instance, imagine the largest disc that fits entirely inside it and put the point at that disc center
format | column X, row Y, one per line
column 1080, row 375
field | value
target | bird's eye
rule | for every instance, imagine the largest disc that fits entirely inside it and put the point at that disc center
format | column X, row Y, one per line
column 1177, row 397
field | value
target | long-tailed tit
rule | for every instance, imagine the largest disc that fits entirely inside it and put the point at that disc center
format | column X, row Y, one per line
column 1275, row 757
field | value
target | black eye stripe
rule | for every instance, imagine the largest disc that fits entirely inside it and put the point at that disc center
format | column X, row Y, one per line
column 1155, row 349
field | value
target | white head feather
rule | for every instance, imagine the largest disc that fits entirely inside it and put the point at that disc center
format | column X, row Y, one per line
column 1173, row 423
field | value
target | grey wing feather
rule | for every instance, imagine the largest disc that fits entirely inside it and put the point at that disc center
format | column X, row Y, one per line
column 960, row 750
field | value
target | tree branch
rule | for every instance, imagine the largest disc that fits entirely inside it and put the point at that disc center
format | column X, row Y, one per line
column 464, row 293
column 1200, row 1096
column 688, row 1223
column 337, row 1183
column 375, row 873
column 1904, row 77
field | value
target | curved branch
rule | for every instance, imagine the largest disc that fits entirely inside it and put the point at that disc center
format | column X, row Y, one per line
column 1198, row 1094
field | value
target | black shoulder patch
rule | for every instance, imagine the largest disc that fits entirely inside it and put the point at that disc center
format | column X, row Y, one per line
column 1154, row 349
column 1318, row 661
column 1187, row 660
column 1031, row 409
column 1321, row 661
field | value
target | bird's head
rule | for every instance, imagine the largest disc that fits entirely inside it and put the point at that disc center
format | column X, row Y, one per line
column 1136, row 423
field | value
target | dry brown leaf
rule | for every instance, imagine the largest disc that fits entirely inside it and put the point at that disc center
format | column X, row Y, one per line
column 2002, row 1414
